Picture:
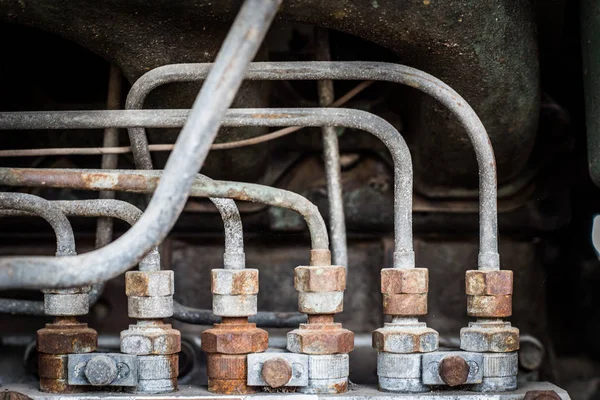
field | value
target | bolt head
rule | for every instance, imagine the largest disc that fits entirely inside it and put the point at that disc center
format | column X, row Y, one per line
column 320, row 339
column 454, row 370
column 101, row 371
column 405, row 339
column 276, row 372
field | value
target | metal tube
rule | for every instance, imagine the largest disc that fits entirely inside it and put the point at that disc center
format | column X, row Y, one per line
column 403, row 179
column 376, row 71
column 331, row 156
column 193, row 143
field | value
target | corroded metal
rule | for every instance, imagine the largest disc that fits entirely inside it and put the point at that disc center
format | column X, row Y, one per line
column 149, row 283
column 234, row 336
column 65, row 336
column 454, row 370
column 320, row 339
column 320, row 279
column 497, row 337
column 410, row 280
column 154, row 338
column 276, row 372
column 499, row 306
column 405, row 338
column 489, row 283
column 234, row 282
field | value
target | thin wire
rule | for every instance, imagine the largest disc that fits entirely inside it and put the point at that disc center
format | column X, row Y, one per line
column 64, row 151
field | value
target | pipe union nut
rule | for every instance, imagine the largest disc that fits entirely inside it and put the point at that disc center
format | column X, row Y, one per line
column 410, row 281
column 320, row 279
column 405, row 304
column 489, row 283
column 66, row 304
column 320, row 302
column 226, row 305
column 492, row 337
column 150, row 340
column 149, row 283
column 235, row 339
column 73, row 338
column 234, row 281
column 499, row 306
column 158, row 367
column 149, row 307
column 317, row 339
column 405, row 339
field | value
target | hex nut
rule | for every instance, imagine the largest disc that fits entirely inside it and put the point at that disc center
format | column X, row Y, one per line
column 234, row 281
column 53, row 366
column 405, row 304
column 405, row 339
column 320, row 339
column 63, row 338
column 234, row 305
column 492, row 337
column 320, row 302
column 235, row 339
column 149, row 307
column 499, row 306
column 227, row 374
column 149, row 283
column 150, row 339
column 66, row 304
column 489, row 283
column 331, row 278
column 409, row 281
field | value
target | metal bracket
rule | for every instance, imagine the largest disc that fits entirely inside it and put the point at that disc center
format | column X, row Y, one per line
column 299, row 363
column 431, row 363
column 102, row 369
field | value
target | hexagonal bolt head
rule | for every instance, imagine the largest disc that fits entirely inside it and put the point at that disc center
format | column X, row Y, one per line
column 234, row 281
column 410, row 280
column 330, row 278
column 101, row 370
column 488, row 283
column 495, row 338
column 276, row 372
column 499, row 306
column 147, row 340
column 405, row 339
column 67, row 339
column 149, row 283
column 454, row 370
column 235, row 339
column 320, row 339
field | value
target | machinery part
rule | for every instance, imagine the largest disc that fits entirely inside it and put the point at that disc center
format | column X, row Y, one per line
column 496, row 337
column 149, row 284
column 405, row 338
column 106, row 369
column 320, row 339
column 268, row 369
column 234, row 336
column 410, row 280
column 320, row 279
column 531, row 353
column 157, row 373
column 234, row 306
column 405, row 304
column 541, row 395
column 152, row 338
column 489, row 293
column 320, row 302
column 400, row 373
column 453, row 368
column 227, row 374
column 66, row 304
column 488, row 257
column 168, row 201
column 234, row 282
column 499, row 372
column 150, row 307
column 327, row 374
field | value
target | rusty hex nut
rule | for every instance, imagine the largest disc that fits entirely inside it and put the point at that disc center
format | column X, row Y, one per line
column 331, row 278
column 410, row 280
column 227, row 374
column 405, row 304
column 53, row 366
column 320, row 339
column 235, row 339
column 489, row 283
column 150, row 340
column 234, row 281
column 489, row 338
column 149, row 283
column 69, row 338
column 499, row 306
column 405, row 339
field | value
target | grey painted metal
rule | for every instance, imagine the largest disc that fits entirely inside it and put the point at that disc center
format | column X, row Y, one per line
column 399, row 366
column 298, row 362
column 155, row 386
column 329, row 366
column 408, row 336
column 399, row 385
column 234, row 306
column 488, row 252
column 331, row 156
column 66, row 304
column 404, row 253
column 149, row 307
column 431, row 364
column 358, row 392
column 320, row 302
column 499, row 365
column 200, row 130
column 485, row 336
column 156, row 367
column 105, row 369
column 502, row 384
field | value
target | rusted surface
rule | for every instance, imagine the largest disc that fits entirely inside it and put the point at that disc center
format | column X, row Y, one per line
column 490, row 337
column 12, row 395
column 541, row 395
column 410, row 280
column 405, row 304
column 489, row 306
column 320, row 257
column 227, row 374
column 321, row 339
column 234, row 282
column 276, row 372
column 405, row 340
column 59, row 386
column 52, row 366
column 454, row 370
column 489, row 283
column 235, row 336
column 320, row 279
column 156, row 339
column 320, row 319
column 149, row 283
column 66, row 337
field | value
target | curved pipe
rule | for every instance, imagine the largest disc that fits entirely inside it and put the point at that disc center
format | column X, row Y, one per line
column 193, row 143
column 403, row 177
column 316, row 70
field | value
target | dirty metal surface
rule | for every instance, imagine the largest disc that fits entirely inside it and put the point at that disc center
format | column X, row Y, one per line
column 355, row 392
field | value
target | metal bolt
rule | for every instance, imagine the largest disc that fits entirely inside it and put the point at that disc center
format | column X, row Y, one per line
column 101, row 370
column 541, row 395
column 277, row 372
column 454, row 370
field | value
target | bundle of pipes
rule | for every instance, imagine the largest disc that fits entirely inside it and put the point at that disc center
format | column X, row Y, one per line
column 322, row 344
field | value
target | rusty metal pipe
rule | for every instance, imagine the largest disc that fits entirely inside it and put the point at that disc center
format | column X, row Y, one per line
column 489, row 258
column 215, row 97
